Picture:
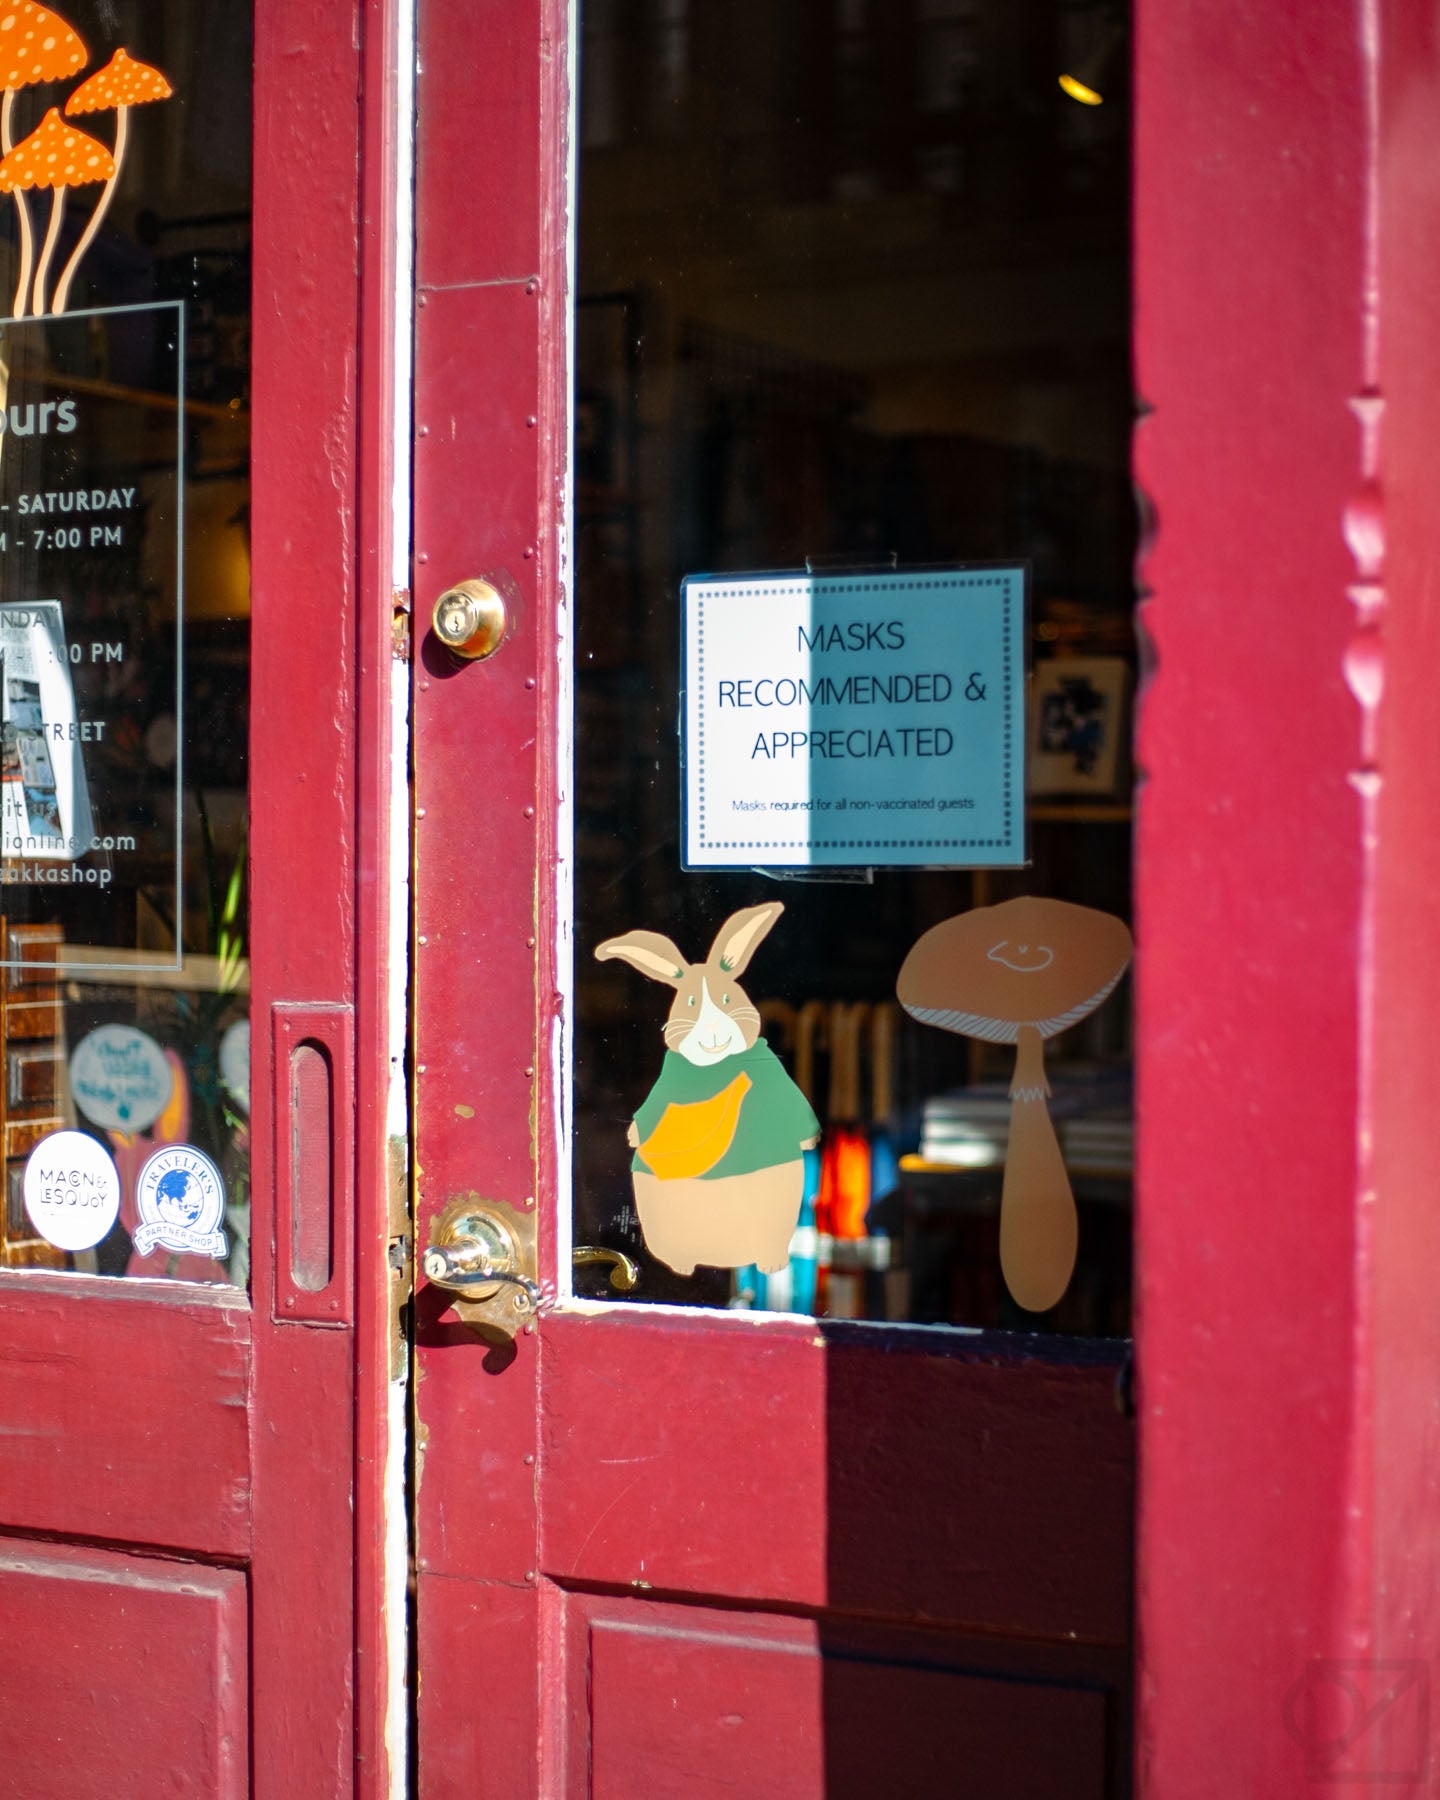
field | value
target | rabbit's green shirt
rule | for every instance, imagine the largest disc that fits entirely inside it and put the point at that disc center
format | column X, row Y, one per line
column 775, row 1117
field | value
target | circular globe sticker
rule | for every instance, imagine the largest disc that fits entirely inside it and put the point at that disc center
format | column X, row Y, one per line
column 72, row 1190
column 181, row 1200
column 120, row 1078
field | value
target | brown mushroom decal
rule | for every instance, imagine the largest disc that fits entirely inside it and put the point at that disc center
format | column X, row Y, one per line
column 1018, row 973
column 57, row 156
column 121, row 84
column 35, row 45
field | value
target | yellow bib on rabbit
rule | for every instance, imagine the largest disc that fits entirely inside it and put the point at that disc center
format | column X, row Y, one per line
column 692, row 1137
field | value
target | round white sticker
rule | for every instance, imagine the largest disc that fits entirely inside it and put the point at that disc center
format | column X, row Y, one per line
column 72, row 1190
column 235, row 1062
column 120, row 1078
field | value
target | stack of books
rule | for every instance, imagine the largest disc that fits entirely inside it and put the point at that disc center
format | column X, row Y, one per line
column 1101, row 1143
column 1091, row 1107
column 967, row 1128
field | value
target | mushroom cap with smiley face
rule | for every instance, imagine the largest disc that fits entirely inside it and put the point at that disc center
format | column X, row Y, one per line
column 1027, row 962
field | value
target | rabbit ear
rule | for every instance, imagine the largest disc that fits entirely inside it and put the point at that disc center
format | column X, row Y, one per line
column 648, row 951
column 736, row 941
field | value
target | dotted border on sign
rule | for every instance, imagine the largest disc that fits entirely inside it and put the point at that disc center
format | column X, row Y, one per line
column 750, row 591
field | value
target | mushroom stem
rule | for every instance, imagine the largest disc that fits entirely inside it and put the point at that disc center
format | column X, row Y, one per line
column 52, row 237
column 102, row 206
column 1028, row 1081
column 1038, row 1226
column 27, row 235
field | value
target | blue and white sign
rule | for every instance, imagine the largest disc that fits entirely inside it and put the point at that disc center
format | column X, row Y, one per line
column 855, row 720
column 181, row 1200
column 119, row 1078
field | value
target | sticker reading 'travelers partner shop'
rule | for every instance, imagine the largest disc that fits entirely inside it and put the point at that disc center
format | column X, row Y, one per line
column 72, row 1190
column 180, row 1197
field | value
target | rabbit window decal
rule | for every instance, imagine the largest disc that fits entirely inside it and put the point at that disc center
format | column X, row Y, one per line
column 719, row 1141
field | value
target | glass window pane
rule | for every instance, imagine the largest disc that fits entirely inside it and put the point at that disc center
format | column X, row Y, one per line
column 858, row 300
column 124, row 636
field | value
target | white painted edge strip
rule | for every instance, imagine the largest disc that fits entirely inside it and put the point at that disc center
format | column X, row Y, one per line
column 562, row 1035
column 397, row 1106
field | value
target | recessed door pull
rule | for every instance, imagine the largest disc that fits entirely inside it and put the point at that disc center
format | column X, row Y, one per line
column 624, row 1271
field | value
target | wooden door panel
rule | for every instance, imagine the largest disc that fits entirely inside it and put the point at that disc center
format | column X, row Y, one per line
column 114, row 1431
column 671, row 1701
column 475, row 1464
column 854, row 1475
column 490, row 325
column 192, row 1422
column 966, row 1498
column 481, row 1646
column 492, row 200
column 127, row 1676
column 320, row 782
column 805, row 1464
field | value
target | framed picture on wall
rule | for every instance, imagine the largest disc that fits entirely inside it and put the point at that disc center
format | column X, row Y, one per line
column 1079, row 726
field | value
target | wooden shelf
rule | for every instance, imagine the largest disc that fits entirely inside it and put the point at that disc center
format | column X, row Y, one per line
column 1085, row 812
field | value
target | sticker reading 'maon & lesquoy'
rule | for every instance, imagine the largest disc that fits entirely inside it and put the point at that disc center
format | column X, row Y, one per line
column 72, row 1190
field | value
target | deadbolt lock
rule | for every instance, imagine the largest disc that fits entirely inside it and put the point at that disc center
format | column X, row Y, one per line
column 470, row 620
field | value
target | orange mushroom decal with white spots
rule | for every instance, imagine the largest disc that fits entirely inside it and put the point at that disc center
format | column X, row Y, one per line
column 55, row 156
column 1019, row 973
column 122, row 83
column 35, row 45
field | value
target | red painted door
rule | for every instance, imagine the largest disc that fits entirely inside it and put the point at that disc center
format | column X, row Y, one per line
column 190, row 1486
column 675, row 1548
column 1286, row 339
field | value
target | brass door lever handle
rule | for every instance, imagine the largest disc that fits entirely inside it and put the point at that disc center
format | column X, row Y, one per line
column 484, row 1254
column 624, row 1271
column 463, row 1274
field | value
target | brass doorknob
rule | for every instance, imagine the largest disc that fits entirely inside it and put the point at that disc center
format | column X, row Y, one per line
column 470, row 620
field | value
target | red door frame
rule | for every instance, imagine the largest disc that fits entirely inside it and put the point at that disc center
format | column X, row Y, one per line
column 1289, row 969
column 325, row 206
column 558, row 1489
column 1285, row 218
column 192, row 1446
